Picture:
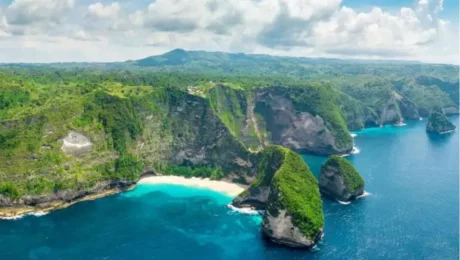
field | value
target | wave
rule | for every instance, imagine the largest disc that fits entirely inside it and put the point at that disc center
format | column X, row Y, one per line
column 35, row 214
column 421, row 118
column 446, row 132
column 344, row 202
column 12, row 218
column 39, row 213
column 353, row 135
column 247, row 211
column 355, row 150
column 365, row 194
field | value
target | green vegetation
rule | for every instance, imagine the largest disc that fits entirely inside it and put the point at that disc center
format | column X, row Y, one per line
column 353, row 181
column 230, row 106
column 131, row 111
column 319, row 100
column 299, row 194
column 292, row 188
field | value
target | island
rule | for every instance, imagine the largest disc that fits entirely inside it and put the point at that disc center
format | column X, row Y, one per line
column 339, row 180
column 438, row 123
column 288, row 193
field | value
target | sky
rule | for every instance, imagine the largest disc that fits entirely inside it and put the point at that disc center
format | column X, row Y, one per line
column 107, row 30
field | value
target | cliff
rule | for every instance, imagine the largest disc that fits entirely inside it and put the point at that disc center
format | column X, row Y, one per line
column 305, row 120
column 340, row 180
column 288, row 192
column 104, row 140
column 438, row 123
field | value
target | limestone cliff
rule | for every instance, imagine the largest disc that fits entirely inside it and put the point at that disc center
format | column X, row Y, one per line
column 106, row 142
column 285, row 116
column 339, row 180
column 396, row 109
column 288, row 192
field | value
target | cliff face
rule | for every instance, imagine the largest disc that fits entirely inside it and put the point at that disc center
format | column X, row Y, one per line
column 273, row 115
column 390, row 108
column 192, row 135
column 288, row 192
column 298, row 130
column 339, row 180
column 106, row 142
column 438, row 123
column 398, row 108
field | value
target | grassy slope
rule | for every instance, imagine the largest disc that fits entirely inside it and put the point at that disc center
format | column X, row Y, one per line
column 296, row 186
column 36, row 116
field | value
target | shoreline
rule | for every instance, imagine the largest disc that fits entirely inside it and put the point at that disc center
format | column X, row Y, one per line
column 228, row 188
column 19, row 212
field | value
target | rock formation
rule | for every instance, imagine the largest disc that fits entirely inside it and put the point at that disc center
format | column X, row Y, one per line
column 339, row 180
column 439, row 123
column 288, row 192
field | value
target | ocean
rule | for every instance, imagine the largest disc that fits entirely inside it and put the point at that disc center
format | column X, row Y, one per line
column 411, row 212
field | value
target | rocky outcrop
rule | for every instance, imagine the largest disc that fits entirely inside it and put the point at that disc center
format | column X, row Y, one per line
column 282, row 116
column 438, row 123
column 280, row 229
column 76, row 144
column 339, row 180
column 398, row 108
column 31, row 203
column 297, row 130
column 287, row 191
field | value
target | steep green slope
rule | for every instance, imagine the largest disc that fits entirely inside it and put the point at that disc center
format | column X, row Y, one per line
column 288, row 191
column 132, row 129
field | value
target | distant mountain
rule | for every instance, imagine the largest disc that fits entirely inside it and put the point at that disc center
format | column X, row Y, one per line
column 183, row 57
column 262, row 65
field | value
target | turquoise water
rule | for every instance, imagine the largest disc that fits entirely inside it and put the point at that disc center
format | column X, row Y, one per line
column 412, row 213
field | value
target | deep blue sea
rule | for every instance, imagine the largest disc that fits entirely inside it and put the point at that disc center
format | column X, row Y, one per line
column 412, row 213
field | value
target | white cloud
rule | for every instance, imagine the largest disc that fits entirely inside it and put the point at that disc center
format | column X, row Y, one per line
column 29, row 11
column 324, row 28
column 99, row 10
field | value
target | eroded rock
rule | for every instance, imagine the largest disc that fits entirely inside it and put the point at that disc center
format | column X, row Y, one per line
column 76, row 144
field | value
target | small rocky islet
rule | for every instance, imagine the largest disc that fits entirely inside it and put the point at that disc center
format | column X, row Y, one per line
column 339, row 180
column 438, row 123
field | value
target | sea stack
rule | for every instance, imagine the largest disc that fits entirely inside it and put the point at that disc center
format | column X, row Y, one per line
column 439, row 124
column 339, row 180
column 288, row 192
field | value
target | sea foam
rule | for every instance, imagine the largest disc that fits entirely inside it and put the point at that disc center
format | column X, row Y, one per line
column 246, row 211
column 365, row 194
column 35, row 214
column 355, row 150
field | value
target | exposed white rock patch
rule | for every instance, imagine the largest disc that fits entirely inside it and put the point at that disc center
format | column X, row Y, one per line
column 76, row 144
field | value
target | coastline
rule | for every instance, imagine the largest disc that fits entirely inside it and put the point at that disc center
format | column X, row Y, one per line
column 228, row 188
column 19, row 212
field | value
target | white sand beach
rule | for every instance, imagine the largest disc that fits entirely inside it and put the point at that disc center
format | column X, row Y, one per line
column 231, row 189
